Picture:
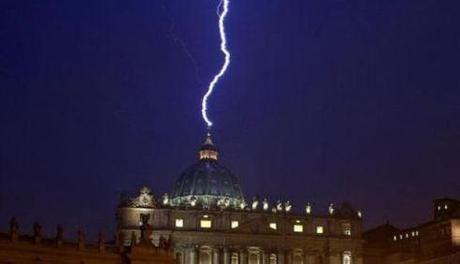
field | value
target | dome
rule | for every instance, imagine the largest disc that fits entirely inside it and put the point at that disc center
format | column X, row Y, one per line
column 207, row 182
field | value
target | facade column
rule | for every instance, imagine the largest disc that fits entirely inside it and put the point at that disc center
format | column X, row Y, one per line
column 309, row 258
column 216, row 256
column 357, row 259
column 265, row 257
column 334, row 258
column 288, row 257
column 226, row 256
column 280, row 257
column 192, row 255
column 243, row 256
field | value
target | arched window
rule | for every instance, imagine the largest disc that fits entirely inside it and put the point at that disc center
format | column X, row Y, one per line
column 253, row 258
column 205, row 257
column 178, row 258
column 235, row 258
column 273, row 259
column 346, row 258
column 298, row 259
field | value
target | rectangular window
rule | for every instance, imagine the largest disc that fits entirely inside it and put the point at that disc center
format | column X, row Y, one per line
column 179, row 223
column 144, row 219
column 235, row 224
column 298, row 228
column 205, row 223
column 272, row 226
column 319, row 229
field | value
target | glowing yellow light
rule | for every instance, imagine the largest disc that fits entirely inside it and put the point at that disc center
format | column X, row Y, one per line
column 319, row 229
column 455, row 232
column 273, row 226
column 346, row 227
column 298, row 228
column 346, row 258
column 235, row 224
column 205, row 224
column 179, row 223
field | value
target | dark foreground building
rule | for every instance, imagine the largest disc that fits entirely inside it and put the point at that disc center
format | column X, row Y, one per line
column 209, row 221
column 433, row 242
column 20, row 248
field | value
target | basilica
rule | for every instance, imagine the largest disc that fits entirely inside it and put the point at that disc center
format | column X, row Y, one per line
column 207, row 219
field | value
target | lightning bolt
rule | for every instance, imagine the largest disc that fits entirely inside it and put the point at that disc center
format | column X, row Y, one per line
column 222, row 11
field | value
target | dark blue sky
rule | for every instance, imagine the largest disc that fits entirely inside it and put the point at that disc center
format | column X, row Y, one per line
column 325, row 101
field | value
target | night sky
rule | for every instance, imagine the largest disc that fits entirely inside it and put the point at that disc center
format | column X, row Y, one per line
column 324, row 101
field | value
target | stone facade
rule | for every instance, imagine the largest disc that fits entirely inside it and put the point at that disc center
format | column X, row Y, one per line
column 207, row 220
column 249, row 236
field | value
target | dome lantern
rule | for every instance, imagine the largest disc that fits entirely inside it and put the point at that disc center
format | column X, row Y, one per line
column 208, row 150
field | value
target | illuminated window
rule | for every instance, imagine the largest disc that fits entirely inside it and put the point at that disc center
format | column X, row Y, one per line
column 298, row 228
column 235, row 224
column 319, row 229
column 205, row 223
column 235, row 258
column 179, row 223
column 346, row 257
column 439, row 208
column 395, row 238
column 413, row 233
column 346, row 227
column 272, row 226
column 400, row 236
column 273, row 259
column 416, row 233
column 407, row 235
column 446, row 207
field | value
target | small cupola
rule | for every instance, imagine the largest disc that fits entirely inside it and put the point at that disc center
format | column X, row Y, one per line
column 208, row 150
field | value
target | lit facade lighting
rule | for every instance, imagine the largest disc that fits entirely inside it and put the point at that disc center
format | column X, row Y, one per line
column 287, row 207
column 319, row 229
column 205, row 223
column 298, row 228
column 265, row 204
column 255, row 203
column 179, row 223
column 331, row 209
